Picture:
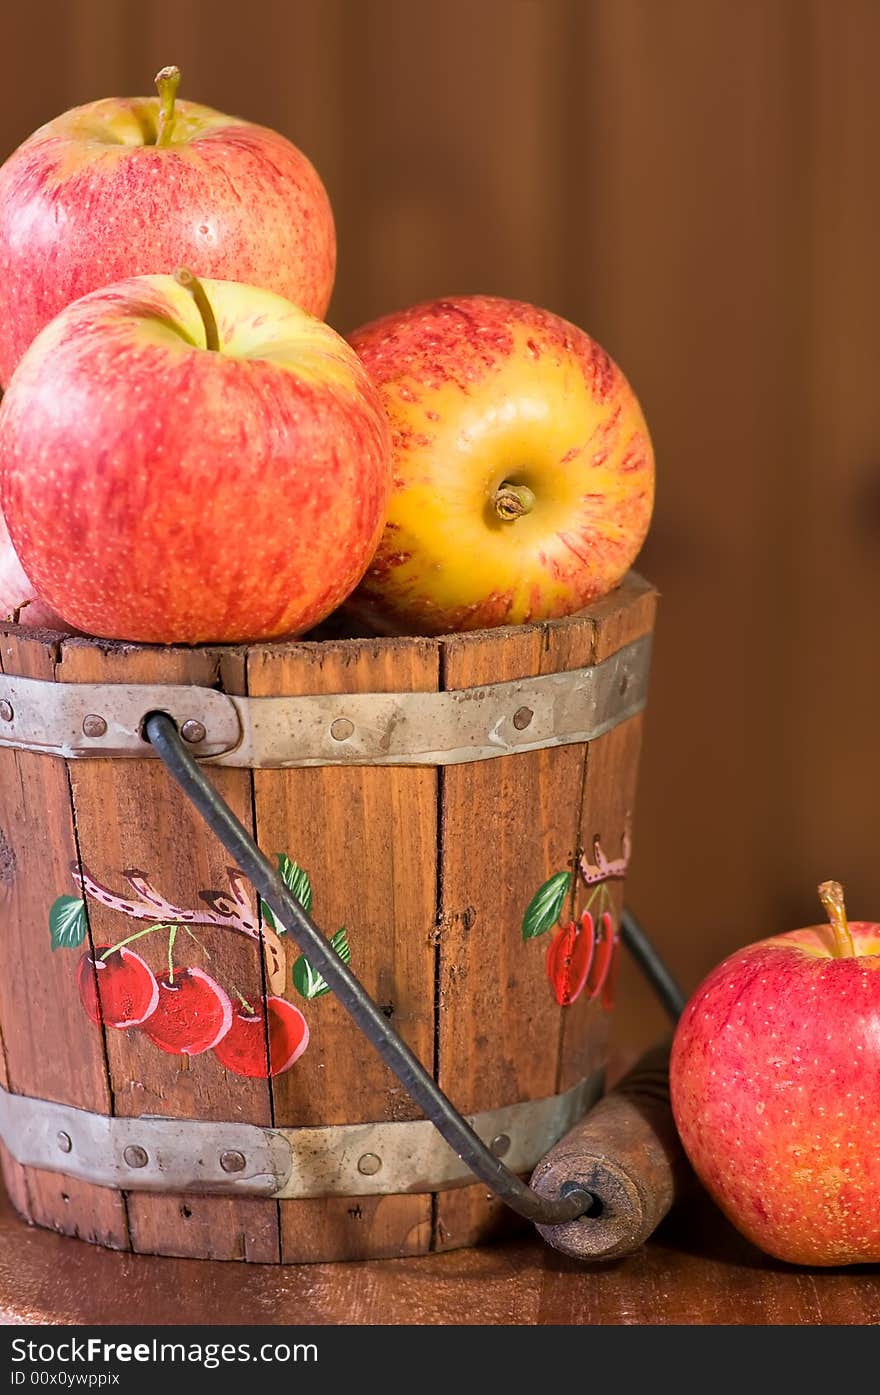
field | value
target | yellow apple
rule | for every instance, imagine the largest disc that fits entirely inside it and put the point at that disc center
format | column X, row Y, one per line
column 523, row 469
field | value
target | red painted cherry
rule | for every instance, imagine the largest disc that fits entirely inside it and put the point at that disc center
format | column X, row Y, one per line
column 243, row 1049
column 120, row 991
column 193, row 1013
column 568, row 959
column 599, row 977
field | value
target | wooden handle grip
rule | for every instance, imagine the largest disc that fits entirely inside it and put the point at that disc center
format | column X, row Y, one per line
column 625, row 1152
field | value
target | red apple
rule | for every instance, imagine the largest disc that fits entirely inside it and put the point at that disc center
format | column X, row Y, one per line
column 192, row 1015
column 775, row 1082
column 18, row 599
column 243, row 1049
column 128, row 186
column 523, row 471
column 184, row 462
column 119, row 990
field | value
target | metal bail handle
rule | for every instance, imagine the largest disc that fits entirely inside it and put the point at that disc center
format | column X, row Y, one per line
column 162, row 732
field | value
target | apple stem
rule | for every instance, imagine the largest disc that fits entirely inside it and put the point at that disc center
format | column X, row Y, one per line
column 172, row 936
column 184, row 277
column 513, row 501
column 831, row 896
column 167, row 83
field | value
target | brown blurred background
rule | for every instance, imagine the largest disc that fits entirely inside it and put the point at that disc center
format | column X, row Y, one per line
column 695, row 182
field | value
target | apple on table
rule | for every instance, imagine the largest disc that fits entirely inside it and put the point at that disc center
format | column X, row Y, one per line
column 523, row 469
column 188, row 462
column 131, row 186
column 775, row 1085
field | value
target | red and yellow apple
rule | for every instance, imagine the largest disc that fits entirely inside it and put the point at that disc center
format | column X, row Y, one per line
column 523, row 470
column 184, row 462
column 775, row 1083
column 126, row 187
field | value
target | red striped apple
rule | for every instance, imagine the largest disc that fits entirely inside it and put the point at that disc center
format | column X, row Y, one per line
column 523, row 471
column 184, row 462
column 775, row 1083
column 130, row 186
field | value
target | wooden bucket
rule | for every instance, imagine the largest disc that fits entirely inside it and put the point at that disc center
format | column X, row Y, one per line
column 429, row 866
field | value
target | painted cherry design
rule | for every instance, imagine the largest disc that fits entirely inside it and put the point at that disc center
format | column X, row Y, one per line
column 243, row 1049
column 120, row 991
column 599, row 977
column 569, row 957
column 192, row 1015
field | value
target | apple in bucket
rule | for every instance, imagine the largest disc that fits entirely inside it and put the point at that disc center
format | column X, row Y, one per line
column 125, row 187
column 523, row 470
column 775, row 1085
column 184, row 462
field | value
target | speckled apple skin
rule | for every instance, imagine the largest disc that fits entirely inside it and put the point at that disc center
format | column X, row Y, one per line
column 480, row 390
column 84, row 202
column 775, row 1083
column 160, row 492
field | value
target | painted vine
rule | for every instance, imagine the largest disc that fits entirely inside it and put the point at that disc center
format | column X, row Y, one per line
column 581, row 956
column 184, row 1009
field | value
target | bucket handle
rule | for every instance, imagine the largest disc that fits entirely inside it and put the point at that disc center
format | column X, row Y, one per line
column 574, row 1201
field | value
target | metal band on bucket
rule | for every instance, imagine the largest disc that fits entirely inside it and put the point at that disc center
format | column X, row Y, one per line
column 87, row 720
column 236, row 1159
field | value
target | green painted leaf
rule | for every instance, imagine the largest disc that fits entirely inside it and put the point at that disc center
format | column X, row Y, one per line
column 67, row 922
column 307, row 980
column 545, row 907
column 297, row 881
column 339, row 942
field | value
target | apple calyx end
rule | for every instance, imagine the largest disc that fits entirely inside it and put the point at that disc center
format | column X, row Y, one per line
column 831, row 896
column 191, row 283
column 167, row 82
column 512, row 501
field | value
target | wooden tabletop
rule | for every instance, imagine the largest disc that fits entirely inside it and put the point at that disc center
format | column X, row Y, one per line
column 696, row 1269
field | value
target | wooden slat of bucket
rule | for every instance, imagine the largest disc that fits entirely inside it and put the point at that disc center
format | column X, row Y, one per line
column 367, row 838
column 50, row 1048
column 14, row 1176
column 517, row 798
column 499, row 1023
column 607, row 813
column 129, row 814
